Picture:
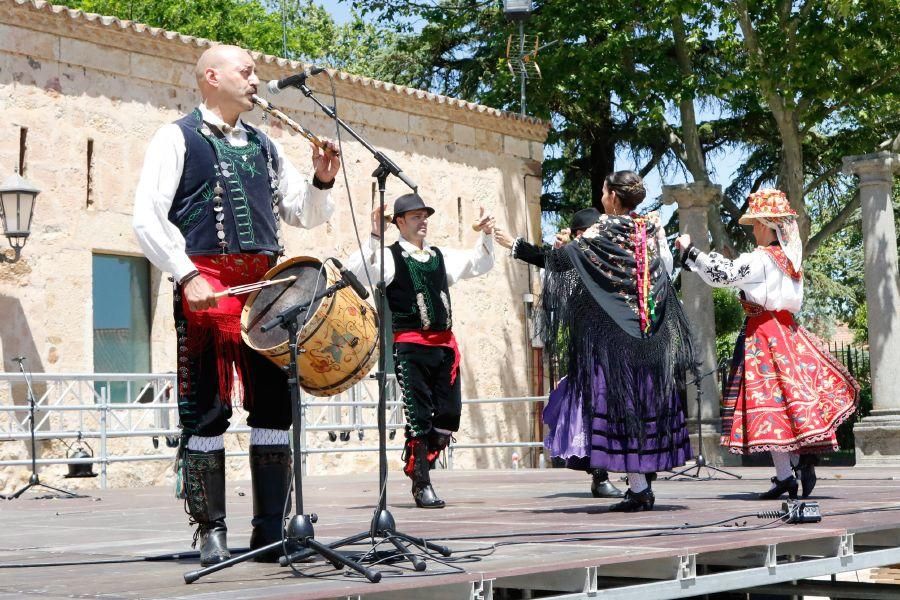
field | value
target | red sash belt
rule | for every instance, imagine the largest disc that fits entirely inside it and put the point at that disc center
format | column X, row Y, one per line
column 444, row 339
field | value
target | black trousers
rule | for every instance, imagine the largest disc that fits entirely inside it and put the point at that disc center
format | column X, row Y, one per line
column 429, row 399
column 203, row 413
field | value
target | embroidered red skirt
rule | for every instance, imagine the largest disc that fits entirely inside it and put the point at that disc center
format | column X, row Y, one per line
column 786, row 392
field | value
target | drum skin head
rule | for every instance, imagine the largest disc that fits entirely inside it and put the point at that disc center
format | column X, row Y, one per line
column 337, row 340
column 267, row 303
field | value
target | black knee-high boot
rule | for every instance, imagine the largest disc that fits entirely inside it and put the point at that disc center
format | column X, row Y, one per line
column 270, row 472
column 417, row 468
column 204, row 476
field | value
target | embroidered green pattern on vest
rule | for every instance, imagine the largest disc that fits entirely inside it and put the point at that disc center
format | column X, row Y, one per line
column 195, row 215
column 418, row 273
column 231, row 161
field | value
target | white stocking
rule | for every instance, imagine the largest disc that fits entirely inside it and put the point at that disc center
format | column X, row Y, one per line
column 637, row 482
column 783, row 468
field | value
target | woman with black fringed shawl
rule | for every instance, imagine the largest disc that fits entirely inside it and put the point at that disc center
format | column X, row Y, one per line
column 614, row 320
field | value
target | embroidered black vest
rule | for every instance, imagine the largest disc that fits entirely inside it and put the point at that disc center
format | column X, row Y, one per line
column 418, row 295
column 226, row 201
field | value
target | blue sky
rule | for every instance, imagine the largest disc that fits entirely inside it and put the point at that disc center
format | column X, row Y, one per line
column 340, row 11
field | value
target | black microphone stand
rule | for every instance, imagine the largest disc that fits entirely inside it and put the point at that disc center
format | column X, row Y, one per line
column 300, row 528
column 700, row 461
column 383, row 526
column 34, row 480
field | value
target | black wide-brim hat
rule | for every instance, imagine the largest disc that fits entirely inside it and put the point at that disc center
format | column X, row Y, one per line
column 584, row 218
column 408, row 202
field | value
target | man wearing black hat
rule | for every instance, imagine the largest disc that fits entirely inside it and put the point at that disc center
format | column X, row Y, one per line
column 601, row 486
column 426, row 357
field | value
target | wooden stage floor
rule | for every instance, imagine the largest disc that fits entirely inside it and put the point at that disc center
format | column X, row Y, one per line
column 485, row 506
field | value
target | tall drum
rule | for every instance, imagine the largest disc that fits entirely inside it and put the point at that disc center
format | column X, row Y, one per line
column 337, row 341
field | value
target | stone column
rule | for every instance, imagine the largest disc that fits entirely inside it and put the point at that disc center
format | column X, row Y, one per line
column 878, row 435
column 694, row 200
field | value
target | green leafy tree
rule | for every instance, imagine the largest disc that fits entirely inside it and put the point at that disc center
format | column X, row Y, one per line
column 795, row 85
column 295, row 29
column 247, row 23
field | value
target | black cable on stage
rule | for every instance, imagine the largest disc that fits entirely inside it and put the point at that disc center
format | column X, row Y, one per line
column 596, row 531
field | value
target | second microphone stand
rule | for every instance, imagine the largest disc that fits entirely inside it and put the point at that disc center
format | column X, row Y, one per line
column 383, row 526
column 700, row 461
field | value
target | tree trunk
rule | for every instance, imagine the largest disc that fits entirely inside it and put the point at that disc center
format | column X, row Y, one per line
column 695, row 160
column 790, row 179
column 791, row 175
column 601, row 150
column 693, row 149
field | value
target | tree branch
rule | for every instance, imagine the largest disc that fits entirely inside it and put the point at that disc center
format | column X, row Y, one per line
column 832, row 227
column 751, row 43
column 829, row 110
column 658, row 154
column 822, row 178
column 891, row 143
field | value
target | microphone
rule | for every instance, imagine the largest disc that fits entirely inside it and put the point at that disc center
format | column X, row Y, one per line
column 351, row 280
column 296, row 80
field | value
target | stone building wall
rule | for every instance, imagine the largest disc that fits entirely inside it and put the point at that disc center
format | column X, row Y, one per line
column 70, row 81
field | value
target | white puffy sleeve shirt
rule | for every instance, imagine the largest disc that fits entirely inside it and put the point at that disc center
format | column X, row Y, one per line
column 459, row 264
column 303, row 205
column 754, row 273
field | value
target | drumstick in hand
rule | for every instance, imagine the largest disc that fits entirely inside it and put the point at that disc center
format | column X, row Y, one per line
column 240, row 290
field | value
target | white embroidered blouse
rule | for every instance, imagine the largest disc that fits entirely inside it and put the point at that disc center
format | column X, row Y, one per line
column 754, row 273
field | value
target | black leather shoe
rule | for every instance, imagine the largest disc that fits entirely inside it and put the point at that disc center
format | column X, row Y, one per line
column 635, row 502
column 422, row 492
column 806, row 470
column 426, row 497
column 779, row 487
column 213, row 547
column 602, row 487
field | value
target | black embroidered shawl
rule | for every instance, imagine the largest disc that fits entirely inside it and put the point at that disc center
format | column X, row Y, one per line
column 592, row 316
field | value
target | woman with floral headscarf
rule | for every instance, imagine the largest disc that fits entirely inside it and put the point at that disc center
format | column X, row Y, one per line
column 786, row 394
column 615, row 323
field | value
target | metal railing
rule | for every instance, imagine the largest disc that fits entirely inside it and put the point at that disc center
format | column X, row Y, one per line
column 107, row 406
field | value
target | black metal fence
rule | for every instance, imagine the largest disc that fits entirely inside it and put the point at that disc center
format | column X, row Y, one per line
column 854, row 357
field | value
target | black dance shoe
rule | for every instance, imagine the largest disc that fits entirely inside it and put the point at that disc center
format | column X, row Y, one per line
column 602, row 487
column 779, row 487
column 806, row 471
column 635, row 502
column 426, row 497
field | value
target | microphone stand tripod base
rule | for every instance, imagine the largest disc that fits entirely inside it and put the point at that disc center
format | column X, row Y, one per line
column 700, row 461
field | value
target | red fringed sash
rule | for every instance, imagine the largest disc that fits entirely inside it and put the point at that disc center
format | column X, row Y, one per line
column 222, row 325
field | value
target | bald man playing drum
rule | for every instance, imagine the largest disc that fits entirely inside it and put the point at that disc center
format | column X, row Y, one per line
column 212, row 196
